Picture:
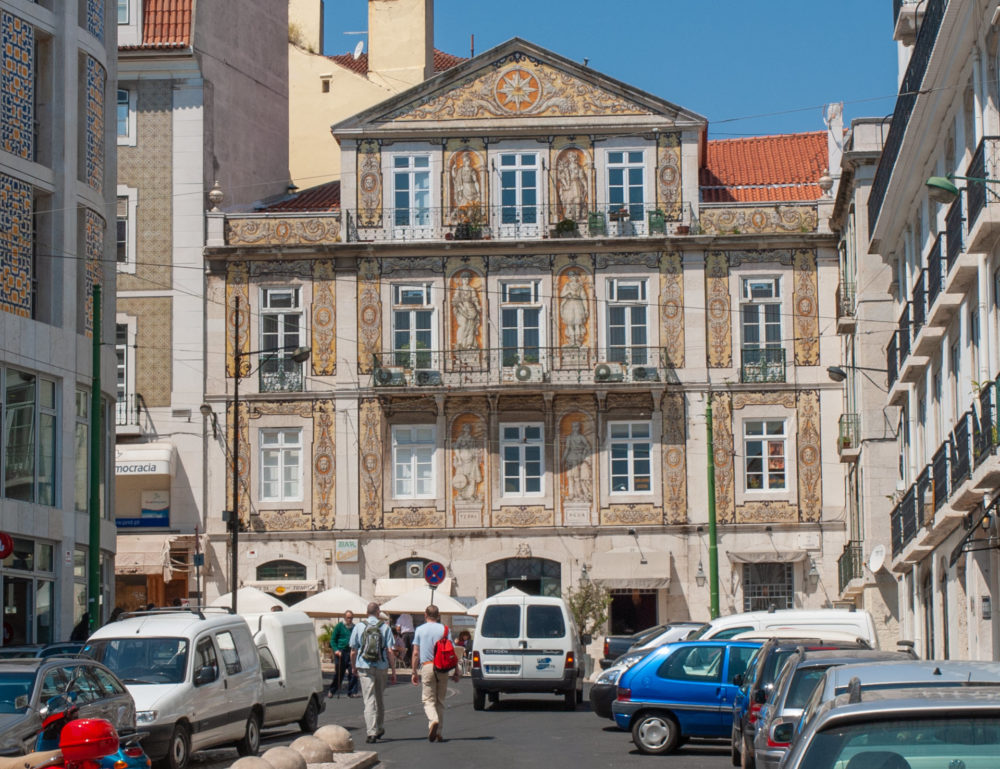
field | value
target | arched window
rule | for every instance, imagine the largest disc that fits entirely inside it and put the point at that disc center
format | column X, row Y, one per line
column 412, row 568
column 281, row 570
column 535, row 576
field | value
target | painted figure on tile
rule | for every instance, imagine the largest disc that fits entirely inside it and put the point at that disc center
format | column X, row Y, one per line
column 465, row 305
column 574, row 311
column 465, row 182
column 576, row 461
column 571, row 183
column 467, row 465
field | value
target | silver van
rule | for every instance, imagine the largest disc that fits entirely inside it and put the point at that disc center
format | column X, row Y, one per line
column 195, row 677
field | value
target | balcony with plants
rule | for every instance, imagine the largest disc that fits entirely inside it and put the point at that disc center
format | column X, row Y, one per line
column 846, row 307
column 849, row 437
column 762, row 365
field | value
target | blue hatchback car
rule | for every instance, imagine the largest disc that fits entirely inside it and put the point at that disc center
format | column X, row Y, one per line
column 681, row 690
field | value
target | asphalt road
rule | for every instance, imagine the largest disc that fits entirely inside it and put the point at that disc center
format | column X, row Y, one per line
column 520, row 731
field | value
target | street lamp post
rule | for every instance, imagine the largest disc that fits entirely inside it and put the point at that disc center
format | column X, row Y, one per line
column 299, row 355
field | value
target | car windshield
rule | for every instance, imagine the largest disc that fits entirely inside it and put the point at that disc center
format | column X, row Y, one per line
column 802, row 686
column 15, row 691
column 906, row 742
column 143, row 660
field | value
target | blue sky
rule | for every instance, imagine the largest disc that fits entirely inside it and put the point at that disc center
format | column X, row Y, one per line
column 751, row 68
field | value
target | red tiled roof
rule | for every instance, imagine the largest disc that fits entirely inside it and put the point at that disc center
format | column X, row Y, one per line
column 323, row 197
column 165, row 24
column 359, row 66
column 764, row 168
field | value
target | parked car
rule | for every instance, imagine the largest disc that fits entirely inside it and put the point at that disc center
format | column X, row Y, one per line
column 40, row 650
column 758, row 682
column 681, row 690
column 27, row 684
column 899, row 729
column 856, row 622
column 800, row 674
column 605, row 688
column 617, row 645
column 195, row 676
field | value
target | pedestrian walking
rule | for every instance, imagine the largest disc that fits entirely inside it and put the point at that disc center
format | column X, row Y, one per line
column 372, row 656
column 433, row 677
column 340, row 643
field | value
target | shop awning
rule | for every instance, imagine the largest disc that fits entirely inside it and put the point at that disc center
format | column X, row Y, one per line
column 766, row 556
column 630, row 568
column 144, row 459
column 142, row 555
column 281, row 587
column 390, row 587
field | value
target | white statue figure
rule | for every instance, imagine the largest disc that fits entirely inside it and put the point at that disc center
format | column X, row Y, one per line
column 465, row 305
column 571, row 181
column 466, row 462
column 574, row 311
column 576, row 462
column 465, row 182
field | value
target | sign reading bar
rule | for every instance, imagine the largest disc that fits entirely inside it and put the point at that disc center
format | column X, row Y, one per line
column 347, row 551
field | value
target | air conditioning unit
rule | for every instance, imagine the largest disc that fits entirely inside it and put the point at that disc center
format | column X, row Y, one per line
column 609, row 372
column 645, row 374
column 529, row 372
column 414, row 569
column 426, row 377
column 389, row 377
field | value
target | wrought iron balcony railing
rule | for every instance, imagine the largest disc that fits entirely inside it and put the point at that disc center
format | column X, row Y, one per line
column 846, row 299
column 850, row 432
column 892, row 360
column 903, row 334
column 961, row 454
column 954, row 240
column 763, row 364
column 935, row 270
column 918, row 303
column 984, row 439
column 281, row 374
column 128, row 410
column 940, row 474
column 849, row 564
column 984, row 165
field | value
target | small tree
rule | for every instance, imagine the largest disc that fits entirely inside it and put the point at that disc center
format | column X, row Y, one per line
column 589, row 604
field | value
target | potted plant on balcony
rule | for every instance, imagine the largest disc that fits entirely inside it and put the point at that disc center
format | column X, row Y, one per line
column 470, row 223
column 566, row 228
column 657, row 222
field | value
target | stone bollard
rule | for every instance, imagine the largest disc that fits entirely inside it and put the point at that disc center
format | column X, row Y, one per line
column 337, row 737
column 313, row 749
column 282, row 758
column 251, row 762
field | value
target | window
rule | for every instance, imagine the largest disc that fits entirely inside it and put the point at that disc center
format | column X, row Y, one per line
column 123, row 11
column 502, row 621
column 627, row 318
column 626, row 182
column 282, row 570
column 204, row 657
column 766, row 585
column 227, row 647
column 281, row 465
column 764, row 452
column 126, row 406
column 701, row 664
column 412, row 189
column 29, row 437
column 413, row 462
column 630, row 448
column 521, row 449
column 955, row 362
column 761, row 316
column 520, row 323
column 545, row 622
column 974, row 340
column 519, row 173
column 412, row 325
column 128, row 198
column 280, row 330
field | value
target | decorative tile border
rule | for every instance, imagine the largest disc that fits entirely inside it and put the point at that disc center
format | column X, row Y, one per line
column 283, row 231
column 94, row 160
column 15, row 245
column 17, row 86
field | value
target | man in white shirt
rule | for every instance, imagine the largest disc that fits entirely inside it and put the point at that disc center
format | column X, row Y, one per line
column 434, row 682
column 373, row 660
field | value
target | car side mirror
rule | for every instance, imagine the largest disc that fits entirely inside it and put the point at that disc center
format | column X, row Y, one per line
column 586, row 639
column 738, row 679
column 760, row 696
column 271, row 673
column 205, row 675
column 783, row 732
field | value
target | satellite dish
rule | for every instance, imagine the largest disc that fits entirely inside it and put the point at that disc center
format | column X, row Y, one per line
column 877, row 558
column 358, row 49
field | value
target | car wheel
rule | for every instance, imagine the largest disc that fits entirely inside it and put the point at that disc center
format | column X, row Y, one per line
column 250, row 743
column 494, row 698
column 655, row 733
column 569, row 703
column 746, row 757
column 579, row 696
column 179, row 748
column 310, row 719
column 478, row 699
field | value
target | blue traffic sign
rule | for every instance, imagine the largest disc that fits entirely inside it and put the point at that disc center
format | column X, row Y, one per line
column 434, row 573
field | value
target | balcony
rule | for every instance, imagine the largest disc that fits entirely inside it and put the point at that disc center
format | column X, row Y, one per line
column 849, row 564
column 762, row 365
column 906, row 17
column 984, row 438
column 983, row 200
column 128, row 414
column 521, row 367
column 281, row 375
column 940, row 474
column 846, row 307
column 926, row 338
column 962, row 266
column 849, row 438
column 941, row 306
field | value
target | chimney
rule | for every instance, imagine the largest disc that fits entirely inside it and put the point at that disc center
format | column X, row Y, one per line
column 400, row 42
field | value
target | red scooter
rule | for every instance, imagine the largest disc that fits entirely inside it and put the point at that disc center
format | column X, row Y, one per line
column 82, row 744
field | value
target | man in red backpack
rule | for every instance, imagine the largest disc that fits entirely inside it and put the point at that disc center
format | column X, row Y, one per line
column 434, row 660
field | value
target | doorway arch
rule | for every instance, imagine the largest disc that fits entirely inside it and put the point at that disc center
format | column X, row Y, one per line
column 535, row 576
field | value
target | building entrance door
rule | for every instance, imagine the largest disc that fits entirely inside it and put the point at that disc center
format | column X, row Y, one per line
column 632, row 611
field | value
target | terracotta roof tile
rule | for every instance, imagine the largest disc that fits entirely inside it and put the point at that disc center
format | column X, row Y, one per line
column 764, row 168
column 165, row 24
column 323, row 197
column 359, row 66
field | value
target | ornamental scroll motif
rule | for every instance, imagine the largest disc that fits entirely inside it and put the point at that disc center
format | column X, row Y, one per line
column 722, row 445
column 719, row 316
column 518, row 85
column 324, row 464
column 757, row 219
column 237, row 287
column 415, row 518
column 523, row 516
column 668, row 176
column 369, row 184
column 324, row 319
column 632, row 515
column 370, row 464
column 369, row 315
column 674, row 461
column 806, row 308
column 288, row 231
column 242, row 462
column 672, row 309
column 809, row 456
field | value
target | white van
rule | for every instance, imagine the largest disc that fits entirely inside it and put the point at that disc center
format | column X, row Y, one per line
column 289, row 659
column 526, row 643
column 857, row 623
column 194, row 675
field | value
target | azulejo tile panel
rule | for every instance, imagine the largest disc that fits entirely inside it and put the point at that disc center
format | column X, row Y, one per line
column 15, row 245
column 17, row 85
column 95, row 18
column 93, row 229
column 94, row 162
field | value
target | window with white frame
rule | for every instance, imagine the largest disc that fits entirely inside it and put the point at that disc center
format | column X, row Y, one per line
column 765, row 452
column 411, row 178
column 520, row 322
column 413, row 449
column 627, row 182
column 628, row 334
column 28, row 453
column 412, row 325
column 123, row 11
column 129, row 22
column 629, row 451
column 126, row 117
column 766, row 585
column 519, row 175
column 123, row 368
column 281, row 331
column 125, row 227
column 81, row 452
column 974, row 340
column 281, row 465
column 760, row 312
column 126, row 407
column 522, row 452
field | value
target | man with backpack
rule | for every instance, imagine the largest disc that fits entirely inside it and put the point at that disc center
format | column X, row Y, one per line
column 434, row 660
column 372, row 658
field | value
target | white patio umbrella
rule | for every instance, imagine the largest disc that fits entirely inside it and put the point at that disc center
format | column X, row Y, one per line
column 250, row 600
column 415, row 601
column 510, row 592
column 333, row 603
